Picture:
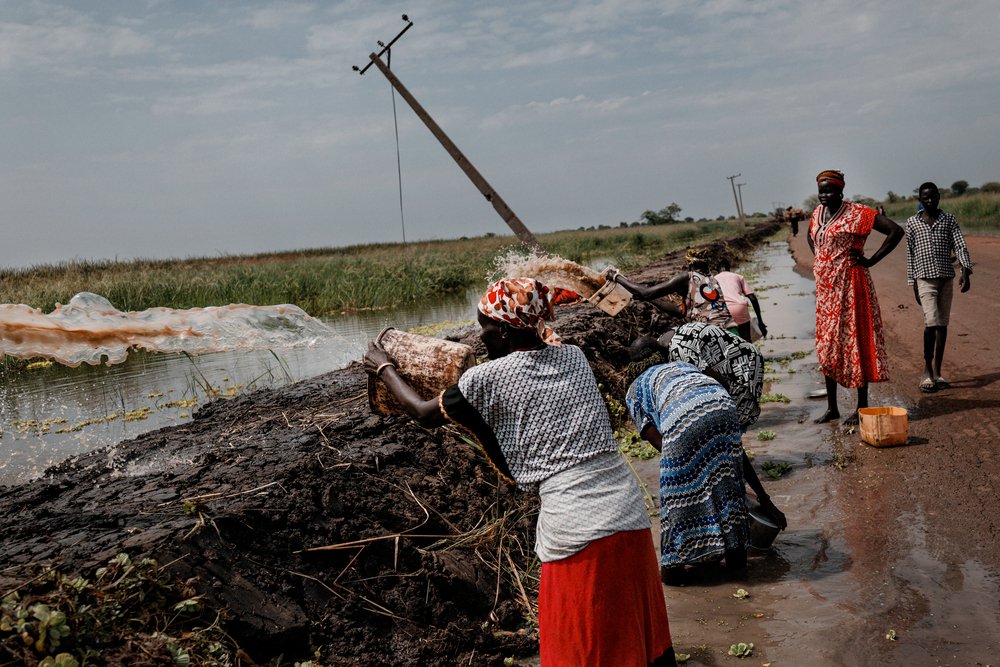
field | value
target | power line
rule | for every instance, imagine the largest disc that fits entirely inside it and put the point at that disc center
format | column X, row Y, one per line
column 399, row 165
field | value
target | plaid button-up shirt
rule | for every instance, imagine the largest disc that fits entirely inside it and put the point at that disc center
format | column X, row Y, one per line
column 929, row 248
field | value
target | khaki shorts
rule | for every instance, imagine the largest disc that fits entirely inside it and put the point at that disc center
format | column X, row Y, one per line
column 935, row 300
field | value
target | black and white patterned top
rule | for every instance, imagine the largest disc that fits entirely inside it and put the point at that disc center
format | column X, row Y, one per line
column 708, row 346
column 929, row 248
column 544, row 407
column 541, row 420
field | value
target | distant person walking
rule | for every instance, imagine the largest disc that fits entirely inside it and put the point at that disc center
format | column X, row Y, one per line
column 736, row 291
column 794, row 216
column 849, row 343
column 932, row 237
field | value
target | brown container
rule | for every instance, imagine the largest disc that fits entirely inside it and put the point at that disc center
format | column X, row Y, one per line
column 611, row 298
column 429, row 365
column 883, row 427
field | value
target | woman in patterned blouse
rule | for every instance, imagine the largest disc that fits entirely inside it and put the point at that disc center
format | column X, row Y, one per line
column 735, row 363
column 689, row 416
column 539, row 417
column 849, row 343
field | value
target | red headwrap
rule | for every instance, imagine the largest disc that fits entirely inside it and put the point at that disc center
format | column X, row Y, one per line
column 523, row 303
column 832, row 175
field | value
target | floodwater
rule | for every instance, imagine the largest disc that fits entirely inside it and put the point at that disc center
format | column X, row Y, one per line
column 50, row 413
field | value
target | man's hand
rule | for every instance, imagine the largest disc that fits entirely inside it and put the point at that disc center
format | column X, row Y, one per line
column 964, row 282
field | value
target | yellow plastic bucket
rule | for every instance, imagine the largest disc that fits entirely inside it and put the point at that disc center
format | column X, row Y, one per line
column 883, row 427
column 429, row 365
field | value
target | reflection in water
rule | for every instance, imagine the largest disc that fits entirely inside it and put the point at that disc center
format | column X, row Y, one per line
column 50, row 413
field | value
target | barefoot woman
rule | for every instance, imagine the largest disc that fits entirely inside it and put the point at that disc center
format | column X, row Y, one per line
column 849, row 342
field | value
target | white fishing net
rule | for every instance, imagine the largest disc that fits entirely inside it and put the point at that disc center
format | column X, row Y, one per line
column 90, row 330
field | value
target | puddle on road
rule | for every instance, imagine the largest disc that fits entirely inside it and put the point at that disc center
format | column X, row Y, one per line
column 945, row 613
column 806, row 604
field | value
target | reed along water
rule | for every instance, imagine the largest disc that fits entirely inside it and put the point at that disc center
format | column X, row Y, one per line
column 109, row 375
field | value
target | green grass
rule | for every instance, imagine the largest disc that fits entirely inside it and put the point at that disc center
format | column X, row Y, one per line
column 328, row 281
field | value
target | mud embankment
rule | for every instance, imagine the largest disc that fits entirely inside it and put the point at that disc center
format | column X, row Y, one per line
column 292, row 524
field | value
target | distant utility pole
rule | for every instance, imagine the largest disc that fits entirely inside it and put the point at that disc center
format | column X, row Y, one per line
column 739, row 188
column 739, row 210
column 492, row 196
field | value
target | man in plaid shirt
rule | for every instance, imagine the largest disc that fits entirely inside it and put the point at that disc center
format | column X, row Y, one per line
column 933, row 237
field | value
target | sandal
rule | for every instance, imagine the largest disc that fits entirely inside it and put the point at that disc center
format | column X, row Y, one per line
column 928, row 386
column 941, row 383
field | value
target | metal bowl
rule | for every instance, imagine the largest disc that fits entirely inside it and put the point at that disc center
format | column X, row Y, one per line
column 762, row 529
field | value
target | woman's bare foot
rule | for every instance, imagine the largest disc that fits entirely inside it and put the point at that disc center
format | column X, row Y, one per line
column 828, row 416
column 852, row 420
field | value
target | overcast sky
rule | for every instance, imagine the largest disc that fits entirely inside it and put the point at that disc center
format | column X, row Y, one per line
column 176, row 129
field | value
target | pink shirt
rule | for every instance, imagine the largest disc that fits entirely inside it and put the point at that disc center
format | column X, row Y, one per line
column 734, row 290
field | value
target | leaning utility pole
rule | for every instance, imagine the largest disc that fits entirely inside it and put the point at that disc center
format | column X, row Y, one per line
column 477, row 179
column 739, row 211
column 739, row 188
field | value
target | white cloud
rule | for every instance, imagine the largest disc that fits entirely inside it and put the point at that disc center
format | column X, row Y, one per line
column 548, row 97
column 23, row 45
column 279, row 15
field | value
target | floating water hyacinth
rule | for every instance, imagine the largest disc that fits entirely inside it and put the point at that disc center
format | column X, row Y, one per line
column 89, row 329
column 742, row 649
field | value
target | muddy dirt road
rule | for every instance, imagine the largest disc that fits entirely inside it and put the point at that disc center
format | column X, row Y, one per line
column 922, row 530
column 897, row 539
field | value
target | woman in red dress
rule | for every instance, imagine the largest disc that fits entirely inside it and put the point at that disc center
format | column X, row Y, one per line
column 849, row 343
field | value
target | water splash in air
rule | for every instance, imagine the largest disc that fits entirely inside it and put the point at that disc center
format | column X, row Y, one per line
column 90, row 330
column 551, row 270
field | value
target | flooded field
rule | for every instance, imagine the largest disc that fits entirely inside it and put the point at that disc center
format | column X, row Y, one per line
column 50, row 412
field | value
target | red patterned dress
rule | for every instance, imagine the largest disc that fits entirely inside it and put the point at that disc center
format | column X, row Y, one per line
column 849, row 342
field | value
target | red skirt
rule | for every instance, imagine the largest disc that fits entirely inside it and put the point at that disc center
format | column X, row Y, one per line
column 604, row 605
